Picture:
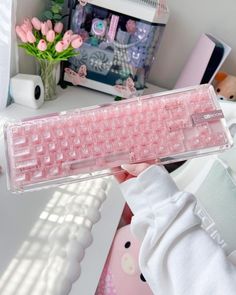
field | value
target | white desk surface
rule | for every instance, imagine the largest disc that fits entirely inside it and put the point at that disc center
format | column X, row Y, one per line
column 19, row 215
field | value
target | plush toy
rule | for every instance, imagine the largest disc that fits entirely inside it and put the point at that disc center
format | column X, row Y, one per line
column 121, row 274
column 225, row 86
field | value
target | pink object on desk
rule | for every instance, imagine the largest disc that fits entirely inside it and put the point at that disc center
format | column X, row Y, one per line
column 203, row 58
column 76, row 78
column 63, row 147
column 121, row 274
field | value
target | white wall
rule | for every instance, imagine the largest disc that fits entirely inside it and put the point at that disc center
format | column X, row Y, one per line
column 28, row 8
column 5, row 49
column 188, row 20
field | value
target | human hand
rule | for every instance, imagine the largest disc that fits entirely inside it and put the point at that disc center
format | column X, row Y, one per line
column 132, row 170
column 129, row 171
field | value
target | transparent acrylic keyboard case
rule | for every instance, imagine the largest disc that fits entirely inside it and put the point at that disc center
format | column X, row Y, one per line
column 85, row 143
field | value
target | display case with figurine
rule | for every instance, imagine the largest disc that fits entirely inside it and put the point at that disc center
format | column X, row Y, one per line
column 120, row 40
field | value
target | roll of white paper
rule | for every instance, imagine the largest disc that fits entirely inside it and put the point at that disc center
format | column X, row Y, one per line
column 27, row 90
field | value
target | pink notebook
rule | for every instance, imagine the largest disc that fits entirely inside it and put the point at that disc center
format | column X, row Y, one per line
column 204, row 61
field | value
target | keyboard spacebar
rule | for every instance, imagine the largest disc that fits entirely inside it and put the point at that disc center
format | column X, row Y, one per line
column 86, row 165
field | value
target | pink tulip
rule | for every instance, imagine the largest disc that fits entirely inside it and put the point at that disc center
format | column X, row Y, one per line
column 58, row 27
column 60, row 46
column 44, row 28
column 26, row 26
column 21, row 34
column 30, row 37
column 49, row 23
column 36, row 23
column 68, row 35
column 28, row 23
column 77, row 42
column 42, row 46
column 66, row 43
column 50, row 36
column 73, row 37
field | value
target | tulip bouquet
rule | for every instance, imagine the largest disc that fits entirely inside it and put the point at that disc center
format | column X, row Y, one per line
column 49, row 46
column 43, row 41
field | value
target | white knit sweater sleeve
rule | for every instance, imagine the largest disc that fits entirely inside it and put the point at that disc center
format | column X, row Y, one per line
column 177, row 257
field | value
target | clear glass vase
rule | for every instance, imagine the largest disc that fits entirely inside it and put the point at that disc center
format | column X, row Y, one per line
column 48, row 73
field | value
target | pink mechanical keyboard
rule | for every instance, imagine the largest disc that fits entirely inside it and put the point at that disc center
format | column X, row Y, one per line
column 72, row 145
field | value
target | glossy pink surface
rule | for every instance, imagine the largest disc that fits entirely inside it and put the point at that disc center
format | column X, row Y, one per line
column 121, row 274
column 135, row 130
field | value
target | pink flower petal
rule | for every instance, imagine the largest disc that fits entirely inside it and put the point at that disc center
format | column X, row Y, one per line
column 58, row 27
column 42, row 46
column 21, row 34
column 50, row 36
column 77, row 42
column 44, row 28
column 30, row 37
column 59, row 46
column 36, row 23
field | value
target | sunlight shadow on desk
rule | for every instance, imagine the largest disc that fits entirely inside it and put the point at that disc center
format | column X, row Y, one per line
column 23, row 275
